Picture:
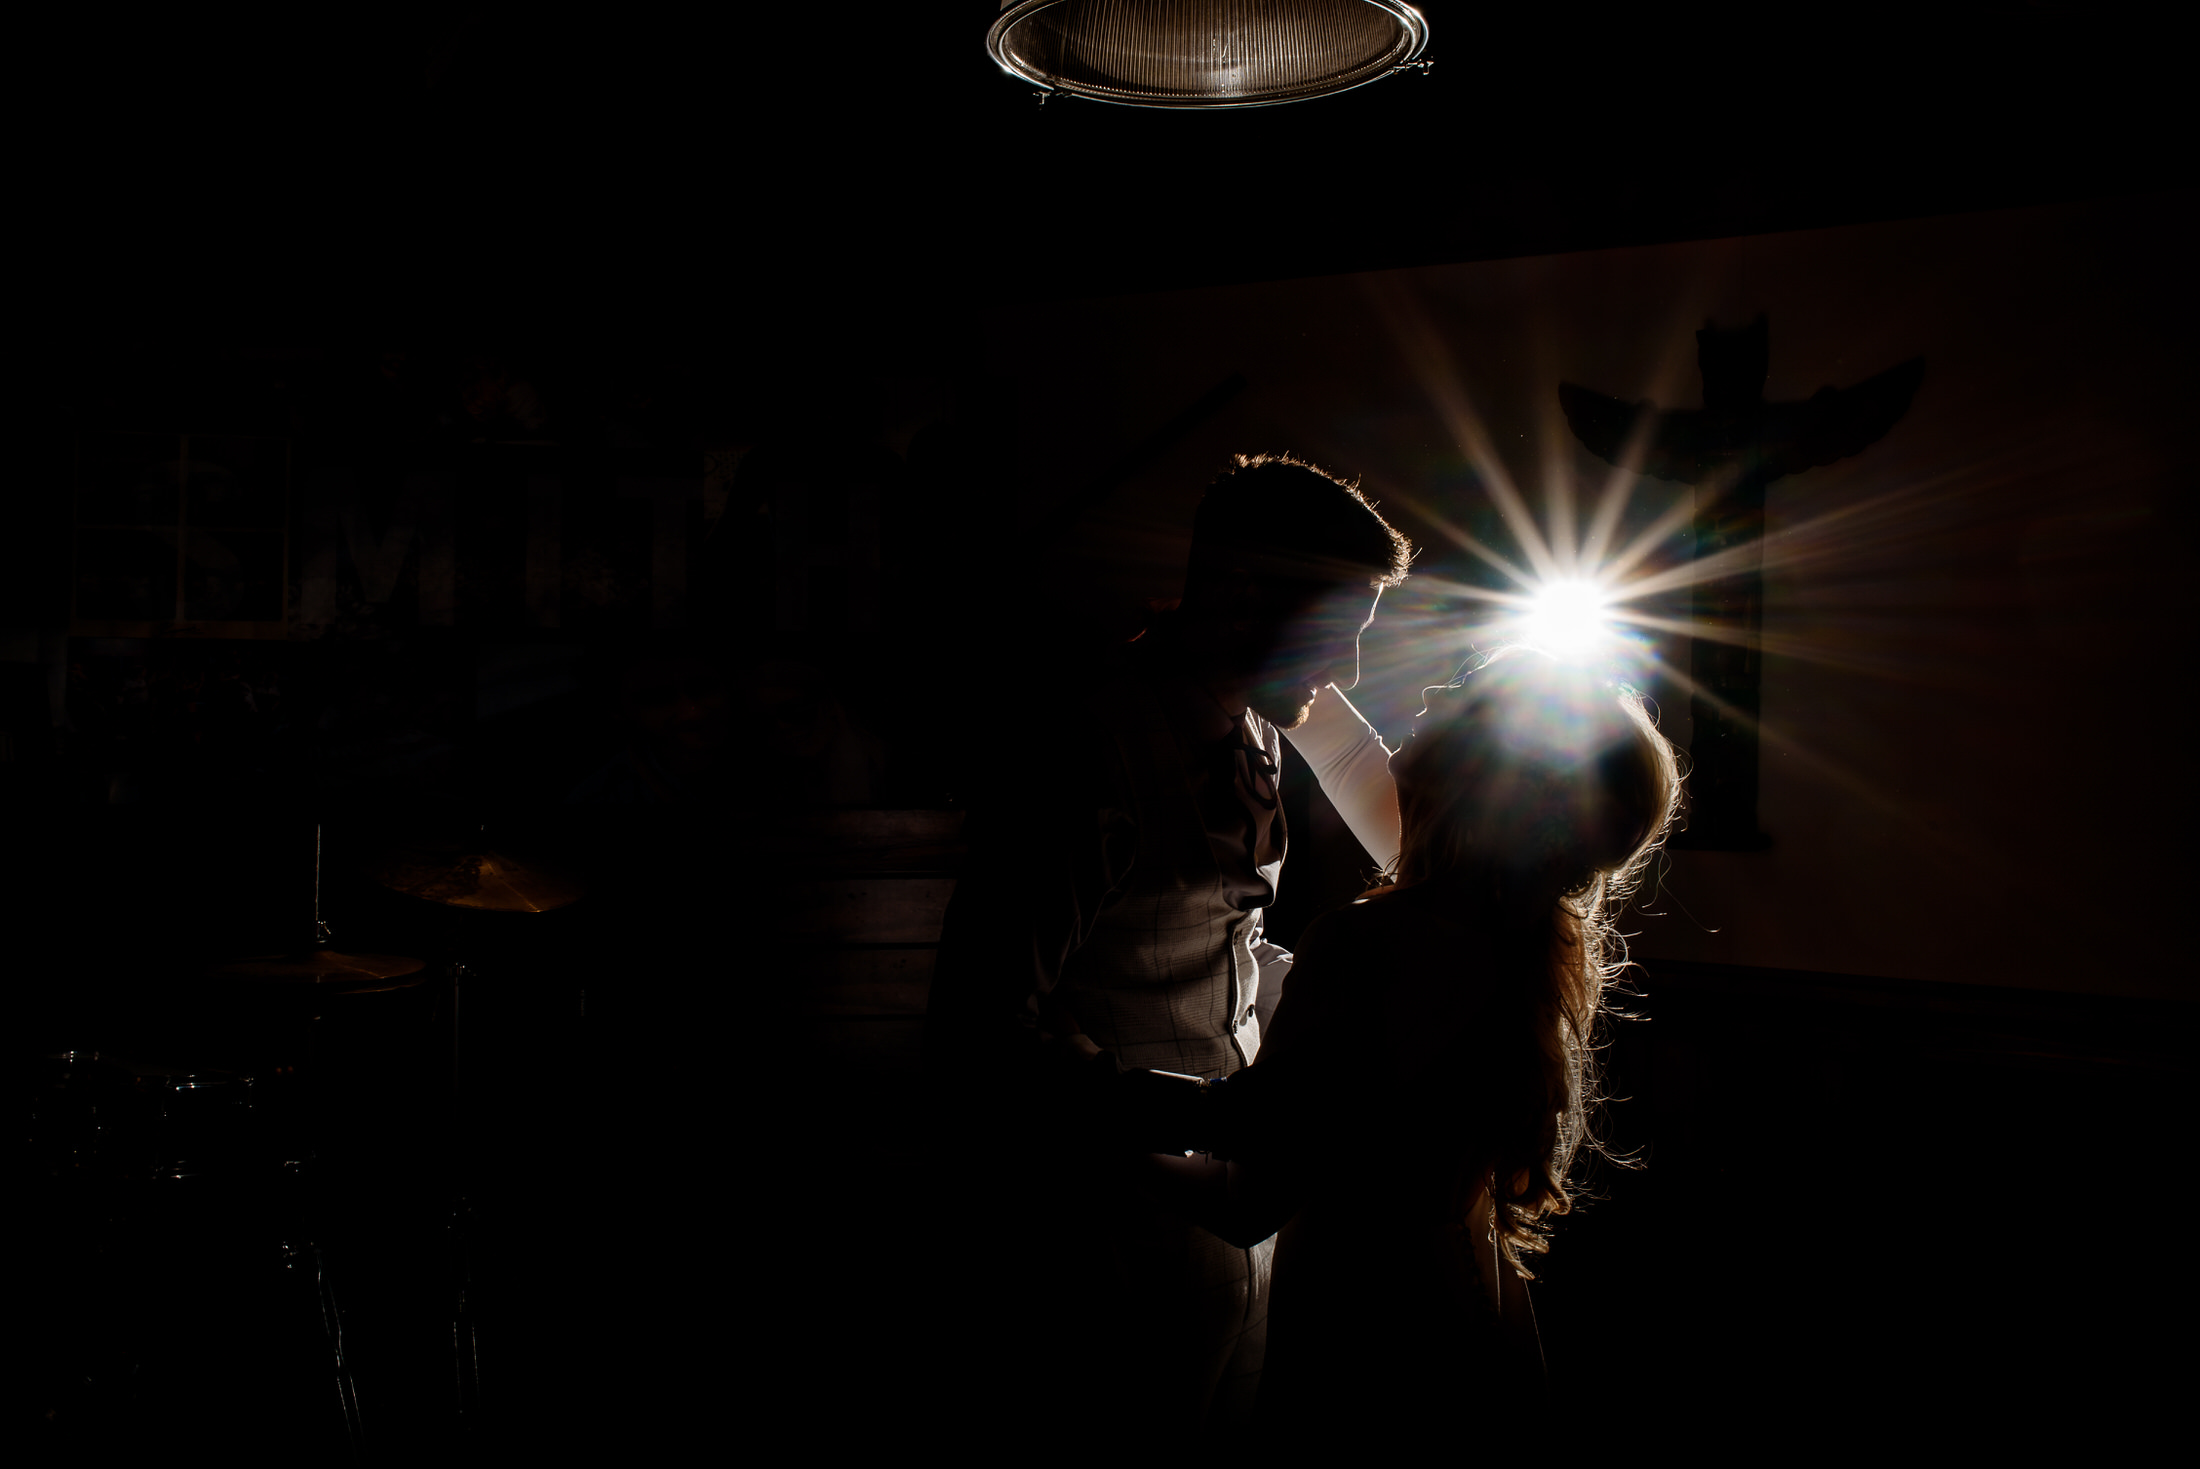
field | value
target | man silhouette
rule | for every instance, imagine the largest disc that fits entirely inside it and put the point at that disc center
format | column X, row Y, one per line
column 1111, row 918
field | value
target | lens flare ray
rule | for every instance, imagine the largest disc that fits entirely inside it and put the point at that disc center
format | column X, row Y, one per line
column 1657, row 533
column 1619, row 492
column 1464, row 541
column 1865, row 791
column 1634, row 595
column 1440, row 377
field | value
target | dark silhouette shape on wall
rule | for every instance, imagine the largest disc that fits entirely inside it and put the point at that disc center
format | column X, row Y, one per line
column 1732, row 449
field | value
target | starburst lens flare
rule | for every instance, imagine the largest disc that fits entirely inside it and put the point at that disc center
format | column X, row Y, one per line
column 1568, row 617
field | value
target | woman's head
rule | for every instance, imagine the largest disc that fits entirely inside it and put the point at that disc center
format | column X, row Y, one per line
column 1535, row 775
column 1535, row 791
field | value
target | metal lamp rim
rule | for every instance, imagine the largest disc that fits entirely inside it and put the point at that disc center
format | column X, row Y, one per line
column 1414, row 23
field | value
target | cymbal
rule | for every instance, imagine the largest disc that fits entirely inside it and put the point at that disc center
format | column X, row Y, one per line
column 354, row 973
column 458, row 878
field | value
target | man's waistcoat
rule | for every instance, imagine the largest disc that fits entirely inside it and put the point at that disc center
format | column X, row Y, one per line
column 1166, row 979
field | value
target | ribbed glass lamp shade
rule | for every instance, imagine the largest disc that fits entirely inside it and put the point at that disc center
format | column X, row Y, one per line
column 1204, row 53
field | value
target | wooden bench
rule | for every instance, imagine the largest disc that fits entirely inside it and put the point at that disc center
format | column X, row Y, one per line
column 859, row 908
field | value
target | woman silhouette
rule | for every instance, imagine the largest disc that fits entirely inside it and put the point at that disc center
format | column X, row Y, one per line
column 1430, row 1079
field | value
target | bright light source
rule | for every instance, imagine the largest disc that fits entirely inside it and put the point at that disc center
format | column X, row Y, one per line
column 1567, row 617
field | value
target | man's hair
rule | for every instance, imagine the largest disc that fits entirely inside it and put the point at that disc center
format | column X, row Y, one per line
column 1295, row 521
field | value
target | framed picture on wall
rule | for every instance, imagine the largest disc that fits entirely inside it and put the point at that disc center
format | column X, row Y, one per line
column 181, row 536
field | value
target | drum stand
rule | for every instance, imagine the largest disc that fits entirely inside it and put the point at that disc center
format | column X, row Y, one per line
column 456, row 1190
column 303, row 1226
column 465, row 1347
column 308, row 1257
column 239, row 1155
column 467, row 875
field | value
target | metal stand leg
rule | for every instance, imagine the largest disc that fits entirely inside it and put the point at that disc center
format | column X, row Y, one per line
column 308, row 1256
column 465, row 1345
column 302, row 1207
column 332, row 1322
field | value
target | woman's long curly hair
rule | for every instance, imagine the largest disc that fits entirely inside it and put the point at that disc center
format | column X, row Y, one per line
column 1535, row 805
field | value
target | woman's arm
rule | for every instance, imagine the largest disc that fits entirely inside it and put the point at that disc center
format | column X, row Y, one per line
column 1353, row 767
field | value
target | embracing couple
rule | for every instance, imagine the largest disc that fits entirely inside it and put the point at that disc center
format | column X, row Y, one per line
column 1180, row 1208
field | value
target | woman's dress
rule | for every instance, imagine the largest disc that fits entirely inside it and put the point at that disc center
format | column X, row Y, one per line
column 1389, row 1314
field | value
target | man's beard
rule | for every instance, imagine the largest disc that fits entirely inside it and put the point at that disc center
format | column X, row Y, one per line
column 1285, row 708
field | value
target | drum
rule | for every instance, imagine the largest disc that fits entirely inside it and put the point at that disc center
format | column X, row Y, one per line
column 99, row 1116
column 175, row 1313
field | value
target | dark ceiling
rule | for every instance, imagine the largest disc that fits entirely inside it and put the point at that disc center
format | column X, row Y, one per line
column 707, row 172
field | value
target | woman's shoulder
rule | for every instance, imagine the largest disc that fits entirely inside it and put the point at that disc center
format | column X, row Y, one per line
column 1384, row 916
column 1404, row 955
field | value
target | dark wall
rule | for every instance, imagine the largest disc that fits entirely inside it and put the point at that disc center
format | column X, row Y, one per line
column 1972, row 629
column 494, row 549
column 673, row 419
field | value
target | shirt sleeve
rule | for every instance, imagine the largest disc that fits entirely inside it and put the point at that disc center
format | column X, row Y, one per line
column 1353, row 766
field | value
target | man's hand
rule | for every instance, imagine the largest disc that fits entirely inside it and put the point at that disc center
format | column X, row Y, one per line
column 1077, row 1043
column 1142, row 1111
column 1165, row 1112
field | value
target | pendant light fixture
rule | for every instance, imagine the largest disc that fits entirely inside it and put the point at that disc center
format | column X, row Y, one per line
column 1205, row 53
